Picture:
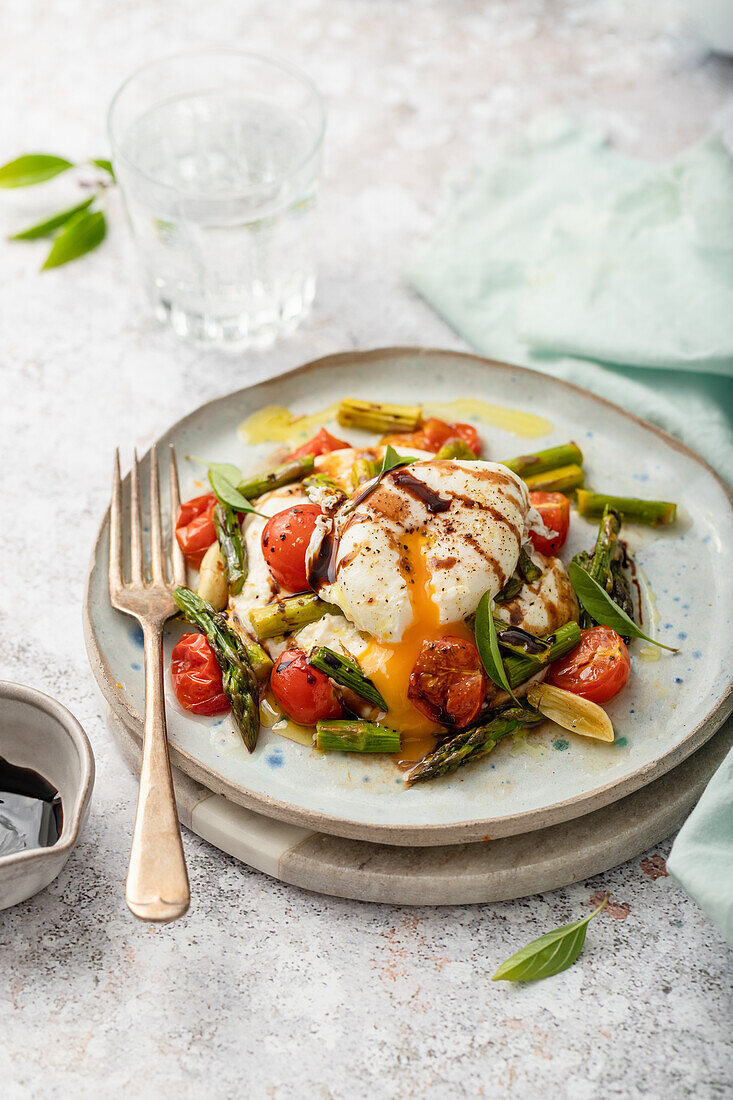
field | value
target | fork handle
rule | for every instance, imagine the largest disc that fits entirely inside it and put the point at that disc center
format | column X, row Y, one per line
column 157, row 880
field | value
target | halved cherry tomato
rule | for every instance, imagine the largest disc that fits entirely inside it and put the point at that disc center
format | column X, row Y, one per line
column 284, row 543
column 197, row 676
column 305, row 693
column 554, row 509
column 597, row 669
column 320, row 444
column 448, row 682
column 434, row 433
column 195, row 529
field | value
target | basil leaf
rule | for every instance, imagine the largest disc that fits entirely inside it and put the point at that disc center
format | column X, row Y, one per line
column 603, row 609
column 105, row 164
column 34, row 168
column 390, row 461
column 226, row 492
column 488, row 645
column 224, row 469
column 549, row 954
column 42, row 229
column 227, row 471
column 83, row 233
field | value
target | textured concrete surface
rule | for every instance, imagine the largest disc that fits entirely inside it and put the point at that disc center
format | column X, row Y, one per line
column 263, row 990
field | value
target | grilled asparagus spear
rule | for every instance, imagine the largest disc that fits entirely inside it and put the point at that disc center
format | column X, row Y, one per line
column 290, row 613
column 471, row 744
column 568, row 454
column 238, row 678
column 363, row 470
column 657, row 513
column 347, row 673
column 560, row 480
column 598, row 564
column 375, row 417
column 456, row 448
column 354, row 735
column 231, row 543
column 293, row 470
column 520, row 669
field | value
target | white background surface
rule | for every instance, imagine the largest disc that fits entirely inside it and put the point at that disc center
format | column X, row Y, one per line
column 264, row 990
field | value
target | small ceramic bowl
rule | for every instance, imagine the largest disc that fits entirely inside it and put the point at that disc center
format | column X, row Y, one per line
column 39, row 733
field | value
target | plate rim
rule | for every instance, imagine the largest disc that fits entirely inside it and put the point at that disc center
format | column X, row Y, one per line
column 474, row 829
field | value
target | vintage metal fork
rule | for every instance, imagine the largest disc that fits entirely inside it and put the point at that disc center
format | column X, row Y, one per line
column 157, row 880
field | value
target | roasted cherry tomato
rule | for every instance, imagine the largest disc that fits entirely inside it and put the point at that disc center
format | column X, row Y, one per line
column 434, row 433
column 554, row 509
column 597, row 669
column 305, row 693
column 320, row 444
column 284, row 543
column 195, row 529
column 197, row 676
column 448, row 682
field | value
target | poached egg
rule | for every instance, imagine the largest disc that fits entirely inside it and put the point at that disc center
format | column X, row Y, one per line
column 409, row 561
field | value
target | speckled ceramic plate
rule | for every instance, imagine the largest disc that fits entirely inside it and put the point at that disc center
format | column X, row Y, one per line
column 673, row 703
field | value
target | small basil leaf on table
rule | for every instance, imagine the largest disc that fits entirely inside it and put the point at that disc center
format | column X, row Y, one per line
column 33, row 168
column 603, row 609
column 55, row 221
column 488, row 645
column 80, row 235
column 549, row 954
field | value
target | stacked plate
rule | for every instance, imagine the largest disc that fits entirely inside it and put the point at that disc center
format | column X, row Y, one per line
column 547, row 808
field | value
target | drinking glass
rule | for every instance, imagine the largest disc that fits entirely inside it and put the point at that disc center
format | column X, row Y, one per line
column 218, row 154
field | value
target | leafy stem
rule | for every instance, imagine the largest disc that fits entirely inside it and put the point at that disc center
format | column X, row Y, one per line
column 77, row 229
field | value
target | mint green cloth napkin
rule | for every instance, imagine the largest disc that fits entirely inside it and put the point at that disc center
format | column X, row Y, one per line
column 606, row 271
column 702, row 855
column 617, row 275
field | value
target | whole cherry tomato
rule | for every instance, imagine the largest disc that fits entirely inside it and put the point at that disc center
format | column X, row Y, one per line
column 434, row 434
column 554, row 508
column 320, row 444
column 448, row 682
column 305, row 693
column 285, row 540
column 197, row 676
column 597, row 669
column 195, row 529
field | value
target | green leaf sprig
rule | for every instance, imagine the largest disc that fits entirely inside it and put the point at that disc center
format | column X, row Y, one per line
column 32, row 168
column 224, row 478
column 548, row 954
column 605, row 610
column 488, row 645
column 391, row 461
column 76, row 230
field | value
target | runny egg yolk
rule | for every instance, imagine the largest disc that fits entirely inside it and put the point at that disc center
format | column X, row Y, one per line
column 389, row 664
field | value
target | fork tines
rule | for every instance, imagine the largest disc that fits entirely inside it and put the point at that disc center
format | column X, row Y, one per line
column 158, row 549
